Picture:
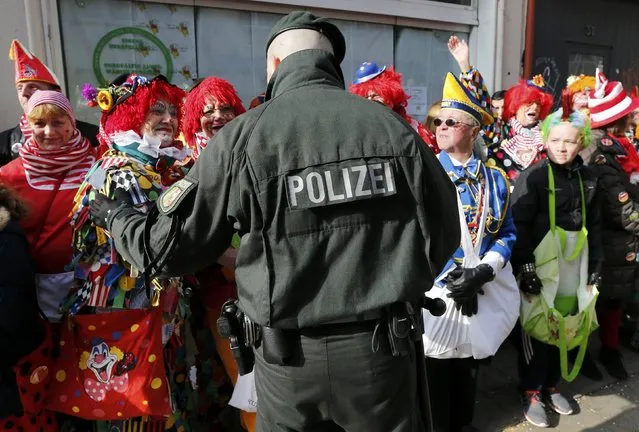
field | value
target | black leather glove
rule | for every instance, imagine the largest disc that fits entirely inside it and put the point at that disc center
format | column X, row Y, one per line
column 464, row 283
column 529, row 281
column 470, row 306
column 594, row 279
column 102, row 206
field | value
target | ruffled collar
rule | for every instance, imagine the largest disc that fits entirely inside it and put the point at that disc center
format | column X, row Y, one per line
column 147, row 148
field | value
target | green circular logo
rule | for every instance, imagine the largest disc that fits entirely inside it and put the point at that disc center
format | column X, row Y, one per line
column 130, row 49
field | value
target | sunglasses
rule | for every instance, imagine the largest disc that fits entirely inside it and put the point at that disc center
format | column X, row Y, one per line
column 450, row 122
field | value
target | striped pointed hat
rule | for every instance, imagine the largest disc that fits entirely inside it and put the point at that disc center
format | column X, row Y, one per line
column 28, row 67
column 608, row 102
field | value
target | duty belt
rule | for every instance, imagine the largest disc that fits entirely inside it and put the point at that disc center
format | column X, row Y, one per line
column 393, row 327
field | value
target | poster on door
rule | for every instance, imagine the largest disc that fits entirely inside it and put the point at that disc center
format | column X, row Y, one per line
column 103, row 39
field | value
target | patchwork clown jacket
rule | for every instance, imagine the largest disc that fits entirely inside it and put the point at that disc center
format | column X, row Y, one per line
column 105, row 281
column 494, row 133
column 103, row 277
column 472, row 180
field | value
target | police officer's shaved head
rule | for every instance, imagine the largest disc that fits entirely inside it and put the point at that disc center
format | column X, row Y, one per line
column 300, row 31
column 292, row 41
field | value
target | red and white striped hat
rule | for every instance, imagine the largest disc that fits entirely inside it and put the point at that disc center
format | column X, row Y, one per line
column 51, row 97
column 608, row 102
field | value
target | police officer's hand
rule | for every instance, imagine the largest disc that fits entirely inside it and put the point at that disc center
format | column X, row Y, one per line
column 529, row 282
column 470, row 281
column 102, row 206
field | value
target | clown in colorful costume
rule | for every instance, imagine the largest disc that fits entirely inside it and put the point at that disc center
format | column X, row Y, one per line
column 31, row 75
column 485, row 216
column 527, row 104
column 384, row 85
column 579, row 87
column 616, row 165
column 47, row 177
column 208, row 106
column 139, row 124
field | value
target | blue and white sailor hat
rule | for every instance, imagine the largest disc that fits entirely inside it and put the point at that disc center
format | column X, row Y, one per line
column 367, row 71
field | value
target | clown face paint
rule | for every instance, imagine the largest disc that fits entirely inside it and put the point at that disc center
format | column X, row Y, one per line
column 580, row 100
column 53, row 132
column 528, row 115
column 563, row 144
column 161, row 122
column 214, row 116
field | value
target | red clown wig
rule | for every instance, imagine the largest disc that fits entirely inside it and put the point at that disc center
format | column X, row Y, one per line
column 525, row 93
column 199, row 96
column 388, row 86
column 131, row 112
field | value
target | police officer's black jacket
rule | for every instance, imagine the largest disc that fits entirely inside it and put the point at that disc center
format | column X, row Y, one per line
column 14, row 135
column 341, row 207
column 620, row 214
column 531, row 213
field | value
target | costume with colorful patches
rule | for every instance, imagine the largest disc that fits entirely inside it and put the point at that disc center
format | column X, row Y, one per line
column 526, row 104
column 139, row 123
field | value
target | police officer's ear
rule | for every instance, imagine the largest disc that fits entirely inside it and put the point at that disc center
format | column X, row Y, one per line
column 272, row 63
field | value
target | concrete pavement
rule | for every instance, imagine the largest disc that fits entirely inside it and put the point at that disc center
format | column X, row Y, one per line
column 604, row 406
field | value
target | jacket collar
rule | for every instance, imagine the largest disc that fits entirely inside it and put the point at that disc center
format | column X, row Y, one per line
column 575, row 166
column 469, row 170
column 304, row 68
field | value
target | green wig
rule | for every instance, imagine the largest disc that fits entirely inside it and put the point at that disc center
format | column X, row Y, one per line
column 566, row 114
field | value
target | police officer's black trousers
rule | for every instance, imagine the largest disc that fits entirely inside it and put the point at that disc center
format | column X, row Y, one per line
column 337, row 383
column 452, row 385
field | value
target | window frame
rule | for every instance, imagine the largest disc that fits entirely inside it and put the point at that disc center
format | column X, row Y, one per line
column 420, row 13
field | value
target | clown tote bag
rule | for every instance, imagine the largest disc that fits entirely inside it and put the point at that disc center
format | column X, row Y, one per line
column 454, row 335
column 564, row 313
column 111, row 366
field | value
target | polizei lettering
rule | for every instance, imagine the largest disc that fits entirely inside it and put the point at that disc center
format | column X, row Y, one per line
column 337, row 183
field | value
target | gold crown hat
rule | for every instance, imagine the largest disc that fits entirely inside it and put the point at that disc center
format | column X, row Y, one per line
column 465, row 99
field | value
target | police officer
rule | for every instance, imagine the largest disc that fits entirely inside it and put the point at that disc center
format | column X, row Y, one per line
column 343, row 212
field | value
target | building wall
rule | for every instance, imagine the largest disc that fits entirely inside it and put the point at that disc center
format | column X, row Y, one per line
column 12, row 26
column 597, row 33
column 495, row 26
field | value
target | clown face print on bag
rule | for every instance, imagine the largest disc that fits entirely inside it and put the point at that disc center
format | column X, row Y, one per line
column 111, row 366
